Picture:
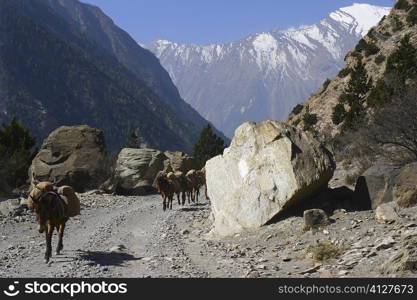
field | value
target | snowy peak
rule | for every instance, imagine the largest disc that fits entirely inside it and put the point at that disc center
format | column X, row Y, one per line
column 264, row 75
column 364, row 16
column 275, row 48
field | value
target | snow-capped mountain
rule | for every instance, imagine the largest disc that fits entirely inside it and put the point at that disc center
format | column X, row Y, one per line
column 264, row 75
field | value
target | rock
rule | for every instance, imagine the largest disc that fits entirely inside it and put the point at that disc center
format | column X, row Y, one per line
column 314, row 218
column 180, row 161
column 387, row 213
column 343, row 273
column 375, row 186
column 117, row 248
column 72, row 155
column 11, row 208
column 385, row 244
column 406, row 258
column 269, row 167
column 404, row 191
column 185, row 231
column 311, row 270
column 136, row 170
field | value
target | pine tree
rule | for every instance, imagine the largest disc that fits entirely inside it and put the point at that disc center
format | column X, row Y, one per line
column 16, row 153
column 134, row 140
column 208, row 146
column 355, row 95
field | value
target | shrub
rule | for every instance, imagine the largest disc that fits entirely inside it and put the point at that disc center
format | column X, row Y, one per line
column 297, row 109
column 368, row 47
column 16, row 153
column 339, row 114
column 325, row 251
column 380, row 59
column 325, row 85
column 309, row 120
column 344, row 72
column 379, row 94
column 402, row 4
column 396, row 24
column 357, row 55
column 402, row 64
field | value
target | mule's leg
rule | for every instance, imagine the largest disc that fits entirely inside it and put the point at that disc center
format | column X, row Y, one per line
column 178, row 198
column 48, row 235
column 183, row 198
column 60, row 245
column 163, row 203
column 205, row 187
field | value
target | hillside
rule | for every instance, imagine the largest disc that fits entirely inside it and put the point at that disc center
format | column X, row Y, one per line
column 381, row 67
column 264, row 75
column 84, row 83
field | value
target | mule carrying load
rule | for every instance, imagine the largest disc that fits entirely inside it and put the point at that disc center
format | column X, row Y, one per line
column 53, row 207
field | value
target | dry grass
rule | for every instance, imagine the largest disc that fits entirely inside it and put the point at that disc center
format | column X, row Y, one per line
column 325, row 251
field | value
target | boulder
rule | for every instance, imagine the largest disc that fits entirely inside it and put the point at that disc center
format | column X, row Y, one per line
column 72, row 155
column 269, row 167
column 375, row 186
column 387, row 213
column 136, row 170
column 315, row 218
column 180, row 161
column 404, row 191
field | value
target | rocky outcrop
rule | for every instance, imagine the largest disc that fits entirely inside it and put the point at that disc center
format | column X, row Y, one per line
column 72, row 155
column 385, row 183
column 180, row 161
column 374, row 187
column 136, row 170
column 404, row 191
column 269, row 167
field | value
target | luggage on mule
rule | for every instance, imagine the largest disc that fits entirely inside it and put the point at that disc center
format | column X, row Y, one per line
column 68, row 195
column 66, row 192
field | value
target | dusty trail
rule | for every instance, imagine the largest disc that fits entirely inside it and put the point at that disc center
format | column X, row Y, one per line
column 132, row 237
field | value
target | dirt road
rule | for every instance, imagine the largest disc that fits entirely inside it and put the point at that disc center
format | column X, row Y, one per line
column 119, row 236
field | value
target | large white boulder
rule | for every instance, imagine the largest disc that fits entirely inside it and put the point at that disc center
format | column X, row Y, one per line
column 268, row 167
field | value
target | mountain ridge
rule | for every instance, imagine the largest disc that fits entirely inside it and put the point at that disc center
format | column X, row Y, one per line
column 81, row 61
column 263, row 68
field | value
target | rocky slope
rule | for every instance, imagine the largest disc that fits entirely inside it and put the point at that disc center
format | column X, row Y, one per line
column 264, row 75
column 68, row 64
column 374, row 51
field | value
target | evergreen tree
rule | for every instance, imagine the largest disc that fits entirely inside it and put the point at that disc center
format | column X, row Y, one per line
column 16, row 153
column 208, row 146
column 355, row 95
column 134, row 140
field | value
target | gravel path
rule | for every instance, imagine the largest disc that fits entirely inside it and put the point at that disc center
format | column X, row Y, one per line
column 132, row 237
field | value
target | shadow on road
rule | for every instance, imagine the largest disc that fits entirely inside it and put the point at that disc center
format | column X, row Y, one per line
column 107, row 258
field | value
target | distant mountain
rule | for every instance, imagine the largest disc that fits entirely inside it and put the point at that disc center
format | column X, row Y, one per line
column 63, row 62
column 264, row 75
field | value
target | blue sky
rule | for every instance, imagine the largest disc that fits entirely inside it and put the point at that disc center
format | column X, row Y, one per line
column 215, row 21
